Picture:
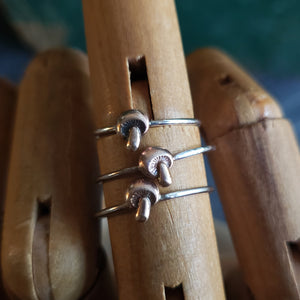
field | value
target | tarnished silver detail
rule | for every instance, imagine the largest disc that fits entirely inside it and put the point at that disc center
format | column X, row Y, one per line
column 155, row 162
column 143, row 211
column 131, row 120
column 142, row 194
column 131, row 125
column 142, row 188
column 164, row 176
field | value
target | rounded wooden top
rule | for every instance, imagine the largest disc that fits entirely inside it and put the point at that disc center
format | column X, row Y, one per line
column 50, row 241
column 64, row 60
column 225, row 97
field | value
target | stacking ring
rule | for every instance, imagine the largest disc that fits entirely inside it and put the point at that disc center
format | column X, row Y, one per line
column 155, row 162
column 142, row 194
column 132, row 124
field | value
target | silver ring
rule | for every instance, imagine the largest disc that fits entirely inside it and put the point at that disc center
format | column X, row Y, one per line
column 155, row 162
column 132, row 124
column 143, row 194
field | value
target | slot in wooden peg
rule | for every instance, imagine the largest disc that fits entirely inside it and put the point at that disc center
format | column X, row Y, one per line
column 176, row 246
column 256, row 166
column 50, row 238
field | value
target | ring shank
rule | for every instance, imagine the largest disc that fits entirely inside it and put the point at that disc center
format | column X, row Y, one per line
column 178, row 121
column 177, row 194
column 153, row 123
column 131, row 170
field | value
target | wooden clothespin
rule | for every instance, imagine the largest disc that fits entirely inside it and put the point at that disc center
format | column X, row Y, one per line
column 256, row 166
column 50, row 238
column 137, row 62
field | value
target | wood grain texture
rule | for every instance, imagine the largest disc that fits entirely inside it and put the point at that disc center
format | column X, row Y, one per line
column 50, row 240
column 232, row 98
column 8, row 95
column 177, row 245
column 256, row 167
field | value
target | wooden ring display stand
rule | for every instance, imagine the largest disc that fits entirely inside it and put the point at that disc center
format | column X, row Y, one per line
column 137, row 62
column 50, row 239
column 257, row 169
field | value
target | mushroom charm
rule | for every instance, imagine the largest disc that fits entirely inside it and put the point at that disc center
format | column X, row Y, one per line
column 155, row 162
column 132, row 125
column 142, row 194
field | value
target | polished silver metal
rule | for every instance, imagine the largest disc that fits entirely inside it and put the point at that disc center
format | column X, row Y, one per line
column 177, row 121
column 155, row 162
column 134, row 139
column 142, row 195
column 132, row 124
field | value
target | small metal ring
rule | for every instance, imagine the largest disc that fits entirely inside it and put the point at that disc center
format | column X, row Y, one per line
column 127, row 205
column 140, row 167
column 153, row 123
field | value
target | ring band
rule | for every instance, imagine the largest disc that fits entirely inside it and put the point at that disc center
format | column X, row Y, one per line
column 154, row 163
column 132, row 124
column 153, row 123
column 143, row 189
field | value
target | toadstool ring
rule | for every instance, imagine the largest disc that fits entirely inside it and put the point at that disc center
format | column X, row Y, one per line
column 142, row 194
column 155, row 162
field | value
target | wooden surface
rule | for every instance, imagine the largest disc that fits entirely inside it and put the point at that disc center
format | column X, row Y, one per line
column 256, row 168
column 177, row 245
column 50, row 240
column 8, row 95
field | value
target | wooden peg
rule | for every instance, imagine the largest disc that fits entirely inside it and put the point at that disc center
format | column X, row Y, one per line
column 257, row 169
column 50, row 238
column 137, row 62
column 8, row 95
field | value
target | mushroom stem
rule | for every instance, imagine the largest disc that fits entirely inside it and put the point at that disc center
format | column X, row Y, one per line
column 143, row 211
column 134, row 139
column 164, row 176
